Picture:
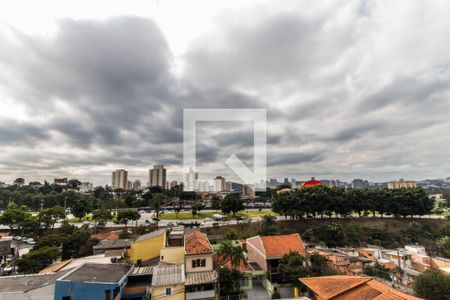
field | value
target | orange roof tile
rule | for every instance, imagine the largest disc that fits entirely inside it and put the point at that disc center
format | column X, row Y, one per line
column 328, row 287
column 279, row 245
column 197, row 242
column 342, row 287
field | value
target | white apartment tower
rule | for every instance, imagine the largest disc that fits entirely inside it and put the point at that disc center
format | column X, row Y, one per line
column 190, row 180
column 219, row 184
column 120, row 179
column 157, row 176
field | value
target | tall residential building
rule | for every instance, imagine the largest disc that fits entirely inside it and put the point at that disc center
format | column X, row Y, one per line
column 120, row 179
column 219, row 184
column 157, row 176
column 190, row 180
column 360, row 183
column 86, row 186
column 400, row 184
column 136, row 185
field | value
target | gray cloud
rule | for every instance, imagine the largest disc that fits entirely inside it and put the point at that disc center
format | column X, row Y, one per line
column 346, row 95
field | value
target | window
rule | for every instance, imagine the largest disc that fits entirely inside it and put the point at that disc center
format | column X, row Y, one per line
column 168, row 291
column 107, row 295
column 196, row 263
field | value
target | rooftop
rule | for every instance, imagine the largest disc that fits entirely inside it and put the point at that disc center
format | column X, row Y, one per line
column 111, row 273
column 150, row 235
column 201, row 277
column 197, row 242
column 279, row 245
column 25, row 283
column 342, row 287
column 165, row 274
column 112, row 244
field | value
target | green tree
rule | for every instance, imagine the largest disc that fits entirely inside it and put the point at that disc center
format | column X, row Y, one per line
column 156, row 202
column 230, row 235
column 14, row 216
column 196, row 208
column 229, row 282
column 232, row 203
column 292, row 267
column 49, row 216
column 432, row 285
column 100, row 217
column 73, row 184
column 19, row 181
column 125, row 216
column 232, row 252
column 215, row 203
column 269, row 226
column 377, row 270
column 130, row 199
column 81, row 208
column 36, row 260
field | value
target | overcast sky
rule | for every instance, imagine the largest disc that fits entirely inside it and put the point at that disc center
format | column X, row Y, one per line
column 352, row 88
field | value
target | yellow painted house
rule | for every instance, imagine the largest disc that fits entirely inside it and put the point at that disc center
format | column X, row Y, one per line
column 147, row 246
column 168, row 282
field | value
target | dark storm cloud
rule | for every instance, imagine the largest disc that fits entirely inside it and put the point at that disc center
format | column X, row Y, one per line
column 13, row 132
column 345, row 93
column 282, row 159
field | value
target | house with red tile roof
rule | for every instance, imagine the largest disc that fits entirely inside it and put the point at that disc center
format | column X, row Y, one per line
column 201, row 278
column 343, row 287
column 266, row 251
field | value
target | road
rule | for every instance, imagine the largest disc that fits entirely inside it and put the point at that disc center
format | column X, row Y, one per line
column 146, row 218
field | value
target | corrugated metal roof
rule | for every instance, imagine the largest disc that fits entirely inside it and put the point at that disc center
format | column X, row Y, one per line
column 143, row 271
column 165, row 274
column 201, row 277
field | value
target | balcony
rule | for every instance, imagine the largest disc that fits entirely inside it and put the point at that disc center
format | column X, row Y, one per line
column 201, row 295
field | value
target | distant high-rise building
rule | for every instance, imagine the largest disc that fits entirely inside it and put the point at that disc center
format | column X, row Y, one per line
column 293, row 183
column 190, row 180
column 247, row 190
column 219, row 184
column 228, row 186
column 157, row 176
column 203, row 186
column 136, row 185
column 86, row 186
column 119, row 179
column 407, row 184
column 129, row 185
column 360, row 183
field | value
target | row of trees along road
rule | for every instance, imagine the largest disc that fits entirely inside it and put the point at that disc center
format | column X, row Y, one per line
column 323, row 201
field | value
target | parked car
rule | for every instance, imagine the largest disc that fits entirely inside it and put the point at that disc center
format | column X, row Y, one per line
column 31, row 241
column 17, row 238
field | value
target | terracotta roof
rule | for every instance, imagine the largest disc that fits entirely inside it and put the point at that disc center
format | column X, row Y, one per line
column 279, row 245
column 342, row 287
column 328, row 287
column 197, row 242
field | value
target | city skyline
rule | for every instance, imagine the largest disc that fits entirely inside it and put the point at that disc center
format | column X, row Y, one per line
column 342, row 98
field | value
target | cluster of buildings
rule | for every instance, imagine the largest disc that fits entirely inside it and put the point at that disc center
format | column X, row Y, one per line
column 402, row 265
column 181, row 264
column 356, row 183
